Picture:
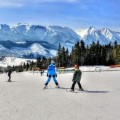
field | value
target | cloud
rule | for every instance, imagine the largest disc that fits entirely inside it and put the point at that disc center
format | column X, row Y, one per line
column 20, row 3
column 11, row 3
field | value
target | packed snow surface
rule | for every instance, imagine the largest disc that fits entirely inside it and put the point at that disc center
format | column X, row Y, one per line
column 25, row 99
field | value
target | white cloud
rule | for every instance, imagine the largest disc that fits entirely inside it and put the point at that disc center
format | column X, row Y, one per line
column 20, row 3
column 11, row 3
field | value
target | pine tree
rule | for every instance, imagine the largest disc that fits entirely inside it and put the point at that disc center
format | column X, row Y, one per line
column 83, row 52
column 63, row 57
column 97, row 53
column 39, row 63
column 76, row 54
column 59, row 56
column 67, row 58
column 92, row 54
column 116, row 53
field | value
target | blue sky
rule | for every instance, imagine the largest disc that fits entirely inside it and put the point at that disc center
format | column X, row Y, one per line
column 72, row 13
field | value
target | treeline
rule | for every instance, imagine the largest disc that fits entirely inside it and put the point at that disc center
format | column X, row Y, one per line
column 40, row 64
column 94, row 54
column 20, row 68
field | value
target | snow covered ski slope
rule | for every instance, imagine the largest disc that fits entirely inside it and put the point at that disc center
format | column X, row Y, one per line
column 25, row 99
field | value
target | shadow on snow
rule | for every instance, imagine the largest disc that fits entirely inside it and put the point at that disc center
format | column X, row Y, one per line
column 86, row 91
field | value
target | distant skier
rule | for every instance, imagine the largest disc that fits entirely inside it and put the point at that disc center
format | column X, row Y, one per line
column 76, row 78
column 41, row 72
column 9, row 75
column 51, row 73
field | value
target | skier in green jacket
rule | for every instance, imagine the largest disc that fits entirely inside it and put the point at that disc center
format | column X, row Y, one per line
column 76, row 78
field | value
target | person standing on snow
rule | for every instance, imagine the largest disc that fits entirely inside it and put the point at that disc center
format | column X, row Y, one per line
column 41, row 72
column 51, row 74
column 9, row 75
column 76, row 78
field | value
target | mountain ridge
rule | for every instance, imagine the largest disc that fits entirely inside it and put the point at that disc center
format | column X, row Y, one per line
column 31, row 41
column 104, row 35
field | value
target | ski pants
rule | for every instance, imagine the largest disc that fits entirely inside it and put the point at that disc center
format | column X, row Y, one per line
column 73, row 85
column 49, row 78
column 9, row 78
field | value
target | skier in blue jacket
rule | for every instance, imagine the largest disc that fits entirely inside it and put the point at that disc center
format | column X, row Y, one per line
column 51, row 73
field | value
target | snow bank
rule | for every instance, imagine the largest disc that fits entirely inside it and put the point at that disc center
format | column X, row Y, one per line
column 13, row 61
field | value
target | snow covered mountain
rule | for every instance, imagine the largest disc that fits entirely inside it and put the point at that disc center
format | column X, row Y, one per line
column 28, row 49
column 50, row 34
column 104, row 36
column 110, row 35
column 31, row 41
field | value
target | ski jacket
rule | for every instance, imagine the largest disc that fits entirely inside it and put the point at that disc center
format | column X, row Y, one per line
column 51, row 70
column 77, row 76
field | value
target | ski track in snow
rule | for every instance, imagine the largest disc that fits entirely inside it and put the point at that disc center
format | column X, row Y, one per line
column 25, row 99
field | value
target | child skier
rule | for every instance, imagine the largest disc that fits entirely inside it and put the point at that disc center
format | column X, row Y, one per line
column 76, row 78
column 51, row 73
